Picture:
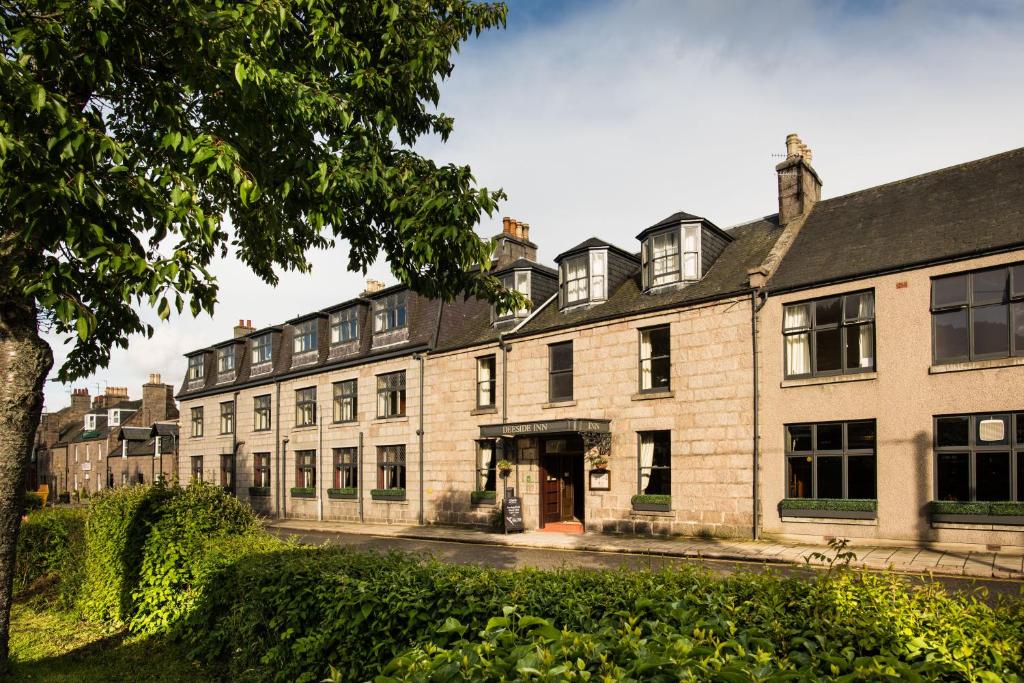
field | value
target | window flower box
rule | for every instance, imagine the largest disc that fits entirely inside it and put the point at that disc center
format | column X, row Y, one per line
column 300, row 492
column 388, row 494
column 483, row 497
column 834, row 508
column 957, row 512
column 652, row 503
column 344, row 493
column 259, row 491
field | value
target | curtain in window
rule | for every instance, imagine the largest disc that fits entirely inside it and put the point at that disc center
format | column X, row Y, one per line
column 691, row 251
column 646, row 459
column 867, row 351
column 645, row 363
column 597, row 265
column 798, row 346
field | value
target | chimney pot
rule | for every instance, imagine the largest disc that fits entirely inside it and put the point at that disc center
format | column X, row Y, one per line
column 248, row 323
column 799, row 184
column 506, row 225
column 373, row 286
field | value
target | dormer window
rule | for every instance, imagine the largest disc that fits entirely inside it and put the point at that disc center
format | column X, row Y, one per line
column 344, row 326
column 114, row 418
column 671, row 256
column 90, row 422
column 582, row 278
column 516, row 281
column 261, row 349
column 389, row 313
column 196, row 369
column 305, row 336
column 225, row 359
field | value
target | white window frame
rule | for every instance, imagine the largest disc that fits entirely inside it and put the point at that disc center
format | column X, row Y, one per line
column 196, row 367
column 261, row 344
column 344, row 326
column 305, row 336
column 390, row 313
column 517, row 281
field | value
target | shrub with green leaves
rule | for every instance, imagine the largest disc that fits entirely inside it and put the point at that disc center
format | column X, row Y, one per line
column 52, row 543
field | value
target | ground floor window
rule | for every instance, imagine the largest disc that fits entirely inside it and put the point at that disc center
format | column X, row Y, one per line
column 831, row 460
column 655, row 471
column 979, row 457
column 391, row 467
column 261, row 470
column 305, row 469
column 140, row 478
column 346, row 468
column 486, row 465
column 227, row 472
column 197, row 468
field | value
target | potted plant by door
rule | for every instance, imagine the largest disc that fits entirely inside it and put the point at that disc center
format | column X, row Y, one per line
column 504, row 467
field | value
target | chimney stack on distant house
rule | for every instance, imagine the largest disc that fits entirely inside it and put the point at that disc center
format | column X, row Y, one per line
column 799, row 184
column 372, row 286
column 157, row 401
column 243, row 328
column 513, row 243
column 80, row 401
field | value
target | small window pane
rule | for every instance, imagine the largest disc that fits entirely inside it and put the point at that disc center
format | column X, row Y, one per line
column 860, row 347
column 561, row 387
column 830, row 437
column 830, row 477
column 1020, row 476
column 952, row 341
column 799, row 438
column 952, row 431
column 993, row 476
column 799, row 477
column 984, row 432
column 949, row 291
column 798, row 354
column 1017, row 311
column 861, row 473
column 798, row 317
column 954, row 476
column 659, row 339
column 990, row 286
column 859, row 307
column 1017, row 281
column 860, row 435
column 1020, row 429
column 561, row 357
column 991, row 331
column 828, row 311
column 828, row 350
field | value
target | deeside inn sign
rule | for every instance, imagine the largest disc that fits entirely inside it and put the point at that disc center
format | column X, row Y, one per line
column 545, row 427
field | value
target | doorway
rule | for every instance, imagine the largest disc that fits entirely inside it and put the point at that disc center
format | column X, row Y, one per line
column 561, row 490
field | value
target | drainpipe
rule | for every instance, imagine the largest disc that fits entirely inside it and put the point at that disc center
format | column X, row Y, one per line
column 503, row 345
column 419, row 435
column 321, row 470
column 234, row 444
column 757, row 301
column 276, row 473
column 359, row 476
column 284, row 458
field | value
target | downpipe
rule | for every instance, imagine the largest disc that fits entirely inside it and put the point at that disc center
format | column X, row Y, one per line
column 758, row 298
column 419, row 435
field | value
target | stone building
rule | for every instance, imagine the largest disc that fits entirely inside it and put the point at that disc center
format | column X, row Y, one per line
column 628, row 398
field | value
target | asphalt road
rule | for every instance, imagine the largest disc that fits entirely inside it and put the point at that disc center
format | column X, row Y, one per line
column 510, row 557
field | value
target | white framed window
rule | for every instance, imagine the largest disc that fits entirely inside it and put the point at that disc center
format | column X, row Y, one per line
column 574, row 277
column 261, row 349
column 389, row 313
column 671, row 256
column 598, row 275
column 305, row 336
column 196, row 369
column 226, row 359
column 114, row 418
column 344, row 326
column 486, row 381
column 90, row 422
column 517, row 281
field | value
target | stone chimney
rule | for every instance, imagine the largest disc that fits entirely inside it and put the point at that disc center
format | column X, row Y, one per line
column 80, row 401
column 243, row 328
column 157, row 401
column 513, row 243
column 799, row 184
column 372, row 286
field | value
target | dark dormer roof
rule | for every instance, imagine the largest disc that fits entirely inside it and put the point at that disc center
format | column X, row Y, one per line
column 305, row 316
column 358, row 301
column 263, row 330
column 164, row 429
column 682, row 217
column 523, row 264
column 953, row 213
column 594, row 243
column 133, row 433
column 229, row 342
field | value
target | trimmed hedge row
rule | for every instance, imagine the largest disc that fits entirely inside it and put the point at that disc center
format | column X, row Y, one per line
column 997, row 509
column 830, row 504
column 651, row 499
column 51, row 543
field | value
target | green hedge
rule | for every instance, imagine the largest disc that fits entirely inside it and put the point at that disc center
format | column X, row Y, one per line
column 955, row 507
column 483, row 496
column 51, row 543
column 396, row 492
column 31, row 501
column 651, row 499
column 303, row 492
column 343, row 491
column 833, row 504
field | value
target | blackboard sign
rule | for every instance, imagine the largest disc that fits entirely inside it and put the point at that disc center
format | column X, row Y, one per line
column 514, row 514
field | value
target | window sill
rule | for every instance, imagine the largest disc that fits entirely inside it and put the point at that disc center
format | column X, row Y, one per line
column 826, row 514
column 303, row 428
column 651, row 395
column 558, row 404
column 484, row 411
column 964, row 366
column 832, row 519
column 342, row 425
column 829, row 379
column 386, row 420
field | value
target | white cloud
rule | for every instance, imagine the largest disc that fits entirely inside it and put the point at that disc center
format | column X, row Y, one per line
column 616, row 115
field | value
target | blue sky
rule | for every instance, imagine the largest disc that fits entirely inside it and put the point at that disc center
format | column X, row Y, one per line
column 600, row 118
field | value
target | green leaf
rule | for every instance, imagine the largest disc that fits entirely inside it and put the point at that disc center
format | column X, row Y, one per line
column 239, row 73
column 82, row 325
column 38, row 97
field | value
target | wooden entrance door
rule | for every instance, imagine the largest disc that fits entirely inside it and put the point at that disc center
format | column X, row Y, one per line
column 561, row 487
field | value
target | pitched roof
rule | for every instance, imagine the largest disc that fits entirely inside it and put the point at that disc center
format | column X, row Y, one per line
column 956, row 212
column 594, row 243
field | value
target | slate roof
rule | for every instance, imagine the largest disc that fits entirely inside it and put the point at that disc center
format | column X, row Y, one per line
column 526, row 263
column 593, row 243
column 964, row 210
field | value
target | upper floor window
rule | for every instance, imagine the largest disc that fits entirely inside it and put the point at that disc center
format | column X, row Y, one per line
column 830, row 336
column 226, row 359
column 389, row 313
column 344, row 326
column 113, row 418
column 560, row 372
column 305, row 407
column 978, row 315
column 261, row 410
column 485, row 381
column 305, row 336
column 261, row 349
column 516, row 281
column 831, row 460
column 90, row 422
column 391, row 394
column 197, row 421
column 979, row 457
column 671, row 256
column 196, row 367
column 655, row 359
column 227, row 417
column 583, row 278
column 345, row 400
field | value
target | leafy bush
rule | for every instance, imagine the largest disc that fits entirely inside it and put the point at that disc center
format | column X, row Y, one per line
column 64, row 497
column 833, row 504
column 1007, row 509
column 303, row 492
column 651, row 499
column 52, row 543
column 387, row 493
column 483, row 496
column 343, row 491
column 956, row 507
column 31, row 501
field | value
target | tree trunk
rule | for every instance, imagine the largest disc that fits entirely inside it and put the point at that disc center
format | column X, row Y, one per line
column 25, row 361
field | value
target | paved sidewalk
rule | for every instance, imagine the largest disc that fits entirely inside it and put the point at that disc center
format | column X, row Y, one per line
column 945, row 560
